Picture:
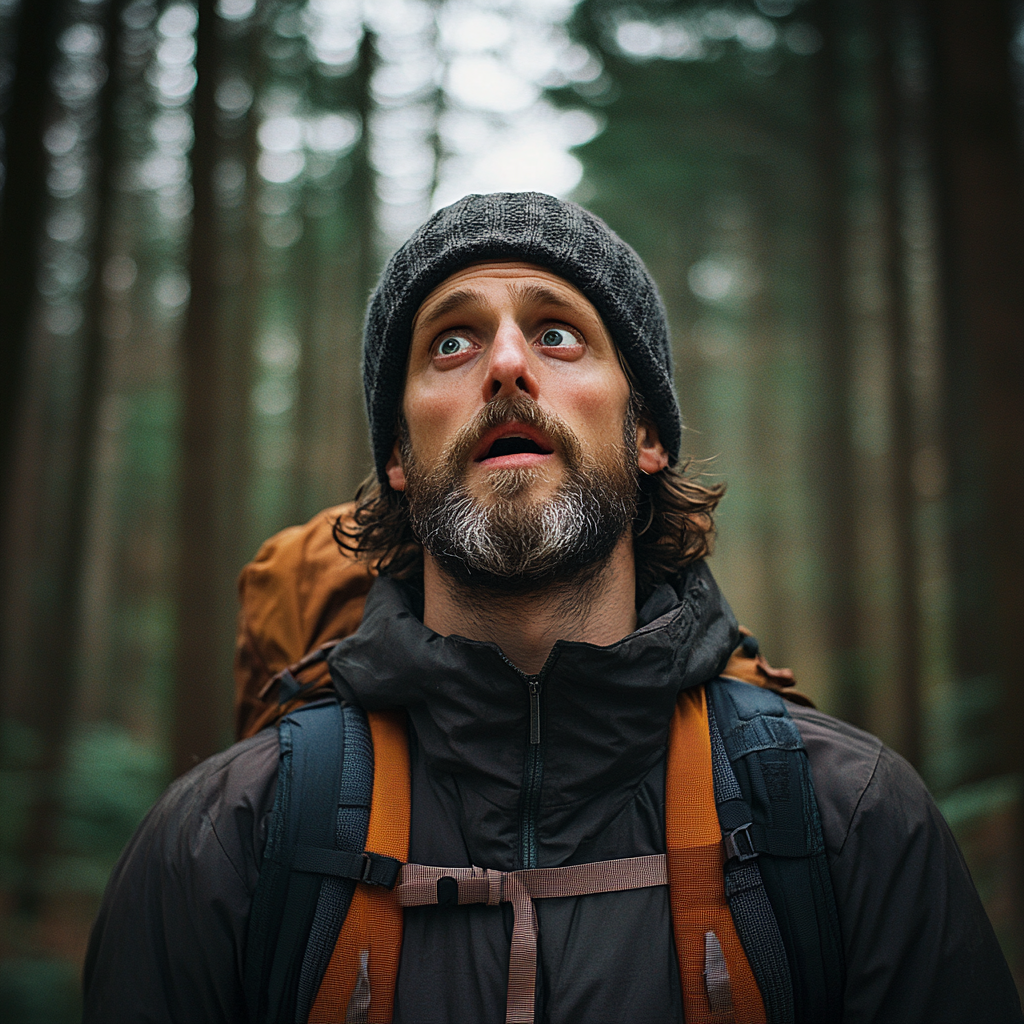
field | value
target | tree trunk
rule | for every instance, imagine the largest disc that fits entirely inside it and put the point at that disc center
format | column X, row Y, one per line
column 981, row 226
column 362, row 199
column 23, row 204
column 306, row 284
column 243, row 302
column 765, row 429
column 58, row 621
column 200, row 717
column 835, row 458
column 891, row 127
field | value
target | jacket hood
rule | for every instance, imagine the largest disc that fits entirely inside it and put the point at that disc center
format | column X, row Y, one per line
column 604, row 712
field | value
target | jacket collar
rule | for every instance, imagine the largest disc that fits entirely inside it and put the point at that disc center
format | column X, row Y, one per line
column 605, row 711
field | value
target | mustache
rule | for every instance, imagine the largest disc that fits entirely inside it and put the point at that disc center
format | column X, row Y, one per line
column 517, row 409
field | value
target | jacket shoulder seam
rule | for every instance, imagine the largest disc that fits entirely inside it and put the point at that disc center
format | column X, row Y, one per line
column 860, row 800
column 223, row 850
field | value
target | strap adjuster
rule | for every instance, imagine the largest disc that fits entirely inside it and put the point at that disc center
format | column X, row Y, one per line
column 379, row 869
column 738, row 844
column 363, row 866
column 367, row 869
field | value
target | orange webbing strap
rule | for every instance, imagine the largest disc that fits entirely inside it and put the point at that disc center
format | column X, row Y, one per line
column 371, row 936
column 693, row 841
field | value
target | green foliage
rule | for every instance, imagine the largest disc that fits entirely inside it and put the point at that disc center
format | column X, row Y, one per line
column 109, row 781
column 39, row 991
column 20, row 750
column 963, row 748
column 968, row 804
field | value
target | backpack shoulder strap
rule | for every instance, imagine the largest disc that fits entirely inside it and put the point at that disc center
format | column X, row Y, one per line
column 715, row 975
column 359, row 982
column 314, row 856
column 776, row 870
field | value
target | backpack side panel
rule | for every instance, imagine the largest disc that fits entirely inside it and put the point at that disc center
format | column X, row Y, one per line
column 770, row 764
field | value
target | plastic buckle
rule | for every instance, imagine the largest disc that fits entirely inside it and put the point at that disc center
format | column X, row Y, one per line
column 737, row 849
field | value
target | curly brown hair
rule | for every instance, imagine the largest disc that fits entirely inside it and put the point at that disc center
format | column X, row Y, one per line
column 673, row 526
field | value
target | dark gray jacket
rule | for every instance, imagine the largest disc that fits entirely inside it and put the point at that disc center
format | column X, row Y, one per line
column 170, row 938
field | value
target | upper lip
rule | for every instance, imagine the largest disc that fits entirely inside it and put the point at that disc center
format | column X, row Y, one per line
column 510, row 430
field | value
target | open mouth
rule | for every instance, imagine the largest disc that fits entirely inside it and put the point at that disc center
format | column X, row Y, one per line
column 512, row 444
column 515, row 446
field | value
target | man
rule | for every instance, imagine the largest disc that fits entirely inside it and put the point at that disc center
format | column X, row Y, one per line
column 542, row 604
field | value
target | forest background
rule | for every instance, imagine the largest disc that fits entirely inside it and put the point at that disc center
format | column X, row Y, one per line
column 196, row 200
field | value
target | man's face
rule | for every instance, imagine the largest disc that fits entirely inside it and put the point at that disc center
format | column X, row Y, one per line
column 518, row 459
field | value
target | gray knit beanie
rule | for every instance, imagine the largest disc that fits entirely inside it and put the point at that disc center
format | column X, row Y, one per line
column 534, row 228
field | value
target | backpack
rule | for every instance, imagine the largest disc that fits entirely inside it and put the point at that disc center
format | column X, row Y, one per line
column 325, row 890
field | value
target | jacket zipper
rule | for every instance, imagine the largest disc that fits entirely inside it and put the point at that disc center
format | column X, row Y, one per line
column 534, row 685
column 533, row 769
column 532, row 777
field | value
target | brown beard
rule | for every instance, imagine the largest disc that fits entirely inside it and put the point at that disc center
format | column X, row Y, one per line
column 506, row 541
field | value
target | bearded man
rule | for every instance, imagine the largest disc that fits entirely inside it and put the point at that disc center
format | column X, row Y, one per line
column 542, row 608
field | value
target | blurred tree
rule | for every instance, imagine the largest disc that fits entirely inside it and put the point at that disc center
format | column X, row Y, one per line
column 887, row 21
column 835, row 451
column 200, row 710
column 243, row 78
column 53, row 705
column 981, row 223
column 23, row 201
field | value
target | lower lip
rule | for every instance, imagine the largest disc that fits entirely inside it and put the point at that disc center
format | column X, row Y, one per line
column 520, row 460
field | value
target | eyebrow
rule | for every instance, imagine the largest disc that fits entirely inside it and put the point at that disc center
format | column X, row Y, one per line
column 464, row 297
column 450, row 303
column 540, row 293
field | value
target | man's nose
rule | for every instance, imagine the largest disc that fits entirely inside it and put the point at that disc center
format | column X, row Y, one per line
column 509, row 369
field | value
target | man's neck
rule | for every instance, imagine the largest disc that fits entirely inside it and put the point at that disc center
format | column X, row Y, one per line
column 600, row 610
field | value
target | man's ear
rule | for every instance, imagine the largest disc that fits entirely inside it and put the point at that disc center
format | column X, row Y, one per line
column 651, row 454
column 394, row 469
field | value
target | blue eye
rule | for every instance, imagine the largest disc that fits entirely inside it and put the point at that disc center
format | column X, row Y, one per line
column 452, row 345
column 555, row 337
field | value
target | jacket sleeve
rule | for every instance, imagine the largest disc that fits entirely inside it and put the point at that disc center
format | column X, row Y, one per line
column 918, row 943
column 169, row 940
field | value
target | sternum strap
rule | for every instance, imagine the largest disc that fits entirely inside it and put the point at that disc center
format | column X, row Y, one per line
column 422, row 884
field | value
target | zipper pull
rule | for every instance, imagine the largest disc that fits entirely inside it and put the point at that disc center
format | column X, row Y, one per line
column 534, row 711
